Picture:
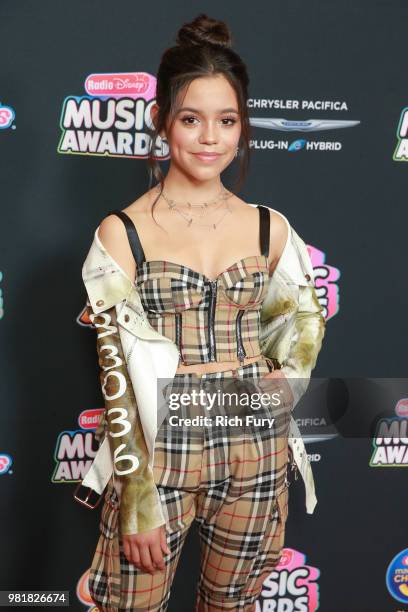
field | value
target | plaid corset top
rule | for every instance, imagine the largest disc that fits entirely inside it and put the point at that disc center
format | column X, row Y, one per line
column 209, row 319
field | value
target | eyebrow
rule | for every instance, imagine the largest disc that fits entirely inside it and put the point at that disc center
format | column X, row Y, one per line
column 196, row 110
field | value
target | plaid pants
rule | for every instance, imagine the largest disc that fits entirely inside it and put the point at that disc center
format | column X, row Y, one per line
column 234, row 485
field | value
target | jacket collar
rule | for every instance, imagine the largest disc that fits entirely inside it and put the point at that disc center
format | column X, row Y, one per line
column 106, row 282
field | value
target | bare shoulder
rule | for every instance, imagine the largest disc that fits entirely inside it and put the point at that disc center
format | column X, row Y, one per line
column 142, row 205
column 278, row 237
column 279, row 228
column 113, row 235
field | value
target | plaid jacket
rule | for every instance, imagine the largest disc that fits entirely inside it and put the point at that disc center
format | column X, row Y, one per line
column 133, row 356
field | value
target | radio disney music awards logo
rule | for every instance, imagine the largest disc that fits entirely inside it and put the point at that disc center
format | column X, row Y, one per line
column 396, row 577
column 5, row 464
column 7, row 116
column 326, row 285
column 401, row 150
column 112, row 118
column 290, row 586
column 391, row 439
column 75, row 450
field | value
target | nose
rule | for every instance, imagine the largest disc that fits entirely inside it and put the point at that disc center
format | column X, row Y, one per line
column 209, row 133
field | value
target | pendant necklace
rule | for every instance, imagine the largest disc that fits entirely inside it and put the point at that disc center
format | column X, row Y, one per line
column 205, row 208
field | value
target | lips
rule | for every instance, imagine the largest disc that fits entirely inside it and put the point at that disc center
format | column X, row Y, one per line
column 207, row 157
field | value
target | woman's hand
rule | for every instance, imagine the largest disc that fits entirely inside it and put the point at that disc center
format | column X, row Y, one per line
column 283, row 385
column 145, row 550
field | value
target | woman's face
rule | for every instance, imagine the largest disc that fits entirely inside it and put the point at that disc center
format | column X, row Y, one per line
column 207, row 122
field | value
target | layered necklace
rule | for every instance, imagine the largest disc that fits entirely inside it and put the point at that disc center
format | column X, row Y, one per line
column 204, row 209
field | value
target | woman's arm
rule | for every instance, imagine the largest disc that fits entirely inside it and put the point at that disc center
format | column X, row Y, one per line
column 292, row 319
column 140, row 506
column 305, row 343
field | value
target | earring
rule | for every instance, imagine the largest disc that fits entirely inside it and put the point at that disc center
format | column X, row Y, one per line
column 236, row 152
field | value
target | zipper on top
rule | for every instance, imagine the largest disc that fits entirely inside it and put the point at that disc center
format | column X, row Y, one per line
column 240, row 345
column 178, row 336
column 211, row 320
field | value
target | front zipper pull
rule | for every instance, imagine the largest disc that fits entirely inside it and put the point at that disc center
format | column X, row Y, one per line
column 240, row 347
column 178, row 337
column 241, row 354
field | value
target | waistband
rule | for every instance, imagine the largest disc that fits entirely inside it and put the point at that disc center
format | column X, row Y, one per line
column 249, row 368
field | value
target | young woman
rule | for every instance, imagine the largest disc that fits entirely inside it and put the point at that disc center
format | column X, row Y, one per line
column 201, row 258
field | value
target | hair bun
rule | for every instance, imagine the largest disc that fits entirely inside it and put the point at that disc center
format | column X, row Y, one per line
column 204, row 30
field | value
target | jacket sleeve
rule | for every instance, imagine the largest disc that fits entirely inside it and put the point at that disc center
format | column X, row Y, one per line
column 292, row 319
column 101, row 429
column 305, row 342
column 140, row 506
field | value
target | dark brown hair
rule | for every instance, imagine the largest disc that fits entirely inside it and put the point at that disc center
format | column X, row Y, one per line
column 203, row 49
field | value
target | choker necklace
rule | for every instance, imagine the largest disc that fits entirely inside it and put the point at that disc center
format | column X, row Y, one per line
column 204, row 208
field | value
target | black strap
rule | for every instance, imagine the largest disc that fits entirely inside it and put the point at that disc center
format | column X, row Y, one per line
column 133, row 236
column 137, row 249
column 264, row 229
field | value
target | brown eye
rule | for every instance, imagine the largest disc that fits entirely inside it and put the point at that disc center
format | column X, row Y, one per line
column 233, row 120
column 186, row 121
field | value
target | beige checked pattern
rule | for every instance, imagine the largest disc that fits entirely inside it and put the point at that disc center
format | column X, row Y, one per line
column 175, row 295
column 235, row 487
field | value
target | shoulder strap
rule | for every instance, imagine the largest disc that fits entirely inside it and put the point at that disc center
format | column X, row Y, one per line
column 264, row 229
column 133, row 236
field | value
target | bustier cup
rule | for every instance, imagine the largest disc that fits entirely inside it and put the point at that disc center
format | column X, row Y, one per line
column 167, row 287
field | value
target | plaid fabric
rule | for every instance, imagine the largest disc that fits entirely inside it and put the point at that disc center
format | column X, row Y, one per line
column 235, row 487
column 171, row 291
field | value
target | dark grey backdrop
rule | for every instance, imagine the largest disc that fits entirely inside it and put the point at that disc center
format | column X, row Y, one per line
column 349, row 203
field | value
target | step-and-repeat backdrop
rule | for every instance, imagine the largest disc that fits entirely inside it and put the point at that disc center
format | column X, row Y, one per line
column 329, row 114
